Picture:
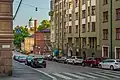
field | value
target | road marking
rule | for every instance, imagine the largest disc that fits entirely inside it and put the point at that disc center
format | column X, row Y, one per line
column 70, row 74
column 111, row 73
column 98, row 75
column 108, row 75
column 87, row 75
column 62, row 76
column 53, row 78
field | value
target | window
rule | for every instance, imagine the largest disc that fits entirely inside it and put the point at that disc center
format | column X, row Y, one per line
column 83, row 14
column 105, row 2
column 117, row 53
column 118, row 14
column 93, row 10
column 93, row 27
column 70, row 29
column 83, row 28
column 76, row 15
column 89, row 27
column 76, row 3
column 105, row 16
column 118, row 33
column 83, row 2
column 83, row 42
column 88, row 11
column 70, row 17
column 105, row 34
column 76, row 28
column 105, row 51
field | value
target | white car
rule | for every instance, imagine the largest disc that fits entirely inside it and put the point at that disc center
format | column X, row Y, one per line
column 110, row 64
column 75, row 60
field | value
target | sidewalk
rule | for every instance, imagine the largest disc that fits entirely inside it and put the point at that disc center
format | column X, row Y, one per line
column 23, row 72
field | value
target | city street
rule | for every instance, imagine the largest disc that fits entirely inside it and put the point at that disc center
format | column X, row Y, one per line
column 59, row 71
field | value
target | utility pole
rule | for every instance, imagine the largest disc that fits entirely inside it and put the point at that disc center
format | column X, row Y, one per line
column 79, row 26
column 58, row 27
column 62, row 25
column 111, row 29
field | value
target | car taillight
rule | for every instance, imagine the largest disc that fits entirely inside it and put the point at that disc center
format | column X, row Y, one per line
column 116, row 63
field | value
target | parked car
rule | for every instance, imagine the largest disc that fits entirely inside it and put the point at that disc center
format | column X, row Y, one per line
column 22, row 58
column 62, row 59
column 75, row 60
column 56, row 58
column 111, row 64
column 91, row 61
column 49, row 57
column 38, row 62
column 28, row 60
column 15, row 57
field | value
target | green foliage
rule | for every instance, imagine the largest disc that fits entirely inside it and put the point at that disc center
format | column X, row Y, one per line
column 44, row 25
column 19, row 37
column 51, row 13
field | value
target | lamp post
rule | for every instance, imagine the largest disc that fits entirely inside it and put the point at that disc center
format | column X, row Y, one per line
column 39, row 50
column 111, row 29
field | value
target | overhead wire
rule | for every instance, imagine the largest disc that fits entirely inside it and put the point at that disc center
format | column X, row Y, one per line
column 17, row 9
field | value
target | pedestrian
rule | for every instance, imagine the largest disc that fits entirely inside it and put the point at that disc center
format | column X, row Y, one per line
column 84, row 55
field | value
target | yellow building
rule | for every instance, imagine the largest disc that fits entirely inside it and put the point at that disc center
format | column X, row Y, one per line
column 28, row 44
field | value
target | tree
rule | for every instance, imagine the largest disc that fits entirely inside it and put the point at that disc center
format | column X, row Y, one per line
column 44, row 25
column 19, row 34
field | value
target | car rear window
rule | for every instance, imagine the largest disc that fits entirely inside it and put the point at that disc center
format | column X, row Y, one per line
column 38, row 59
column 118, row 61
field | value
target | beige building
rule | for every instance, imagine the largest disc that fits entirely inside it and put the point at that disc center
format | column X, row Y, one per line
column 84, row 26
column 28, row 44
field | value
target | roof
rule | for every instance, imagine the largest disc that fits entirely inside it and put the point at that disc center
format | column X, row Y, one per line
column 45, row 31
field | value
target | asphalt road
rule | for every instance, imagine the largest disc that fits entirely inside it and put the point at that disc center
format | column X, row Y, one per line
column 59, row 71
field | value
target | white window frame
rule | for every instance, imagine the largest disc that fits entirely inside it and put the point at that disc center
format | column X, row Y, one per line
column 103, row 50
column 115, row 50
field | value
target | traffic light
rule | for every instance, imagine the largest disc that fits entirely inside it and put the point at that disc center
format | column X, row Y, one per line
column 36, row 9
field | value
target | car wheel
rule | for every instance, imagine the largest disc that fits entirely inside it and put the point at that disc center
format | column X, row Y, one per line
column 83, row 64
column 111, row 67
column 100, row 66
column 91, row 65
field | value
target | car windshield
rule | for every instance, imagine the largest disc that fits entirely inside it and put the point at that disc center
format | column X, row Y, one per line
column 38, row 59
column 22, row 56
column 79, row 57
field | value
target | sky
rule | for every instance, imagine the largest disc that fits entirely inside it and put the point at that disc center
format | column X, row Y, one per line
column 27, row 10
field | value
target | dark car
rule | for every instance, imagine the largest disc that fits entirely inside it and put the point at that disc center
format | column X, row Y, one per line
column 28, row 60
column 38, row 62
column 62, row 60
column 91, row 61
column 16, row 57
column 22, row 58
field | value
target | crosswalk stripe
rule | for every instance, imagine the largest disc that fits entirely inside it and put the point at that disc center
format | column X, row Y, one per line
column 70, row 74
column 62, row 76
column 98, row 75
column 86, row 75
column 111, row 73
column 107, row 74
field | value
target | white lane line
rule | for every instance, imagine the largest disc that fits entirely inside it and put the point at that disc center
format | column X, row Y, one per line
column 86, row 75
column 98, row 75
column 70, row 74
column 62, row 76
column 108, row 75
column 53, row 78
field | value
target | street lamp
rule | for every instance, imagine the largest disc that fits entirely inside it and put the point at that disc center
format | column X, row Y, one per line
column 39, row 49
column 111, row 29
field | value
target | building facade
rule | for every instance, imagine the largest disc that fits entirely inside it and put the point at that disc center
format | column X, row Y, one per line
column 107, row 27
column 42, row 42
column 83, row 27
column 6, row 37
column 28, row 44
